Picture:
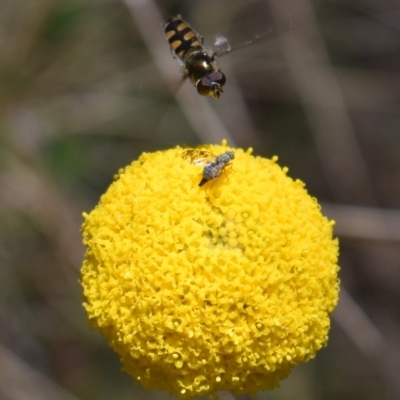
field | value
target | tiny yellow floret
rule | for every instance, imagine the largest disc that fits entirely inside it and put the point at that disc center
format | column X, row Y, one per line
column 226, row 286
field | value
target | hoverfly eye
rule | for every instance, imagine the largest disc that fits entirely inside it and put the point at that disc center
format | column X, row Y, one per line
column 211, row 85
column 218, row 77
column 203, row 86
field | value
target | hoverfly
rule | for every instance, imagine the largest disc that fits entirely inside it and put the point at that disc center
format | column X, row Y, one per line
column 198, row 62
column 213, row 165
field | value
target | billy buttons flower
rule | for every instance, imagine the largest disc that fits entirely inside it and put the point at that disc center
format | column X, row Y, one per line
column 227, row 286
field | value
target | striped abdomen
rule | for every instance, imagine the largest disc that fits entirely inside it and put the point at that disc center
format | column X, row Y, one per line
column 182, row 37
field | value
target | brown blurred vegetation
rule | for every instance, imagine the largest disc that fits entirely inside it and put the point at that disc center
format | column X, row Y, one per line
column 86, row 86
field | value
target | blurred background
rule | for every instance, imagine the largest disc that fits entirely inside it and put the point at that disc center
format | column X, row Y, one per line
column 87, row 85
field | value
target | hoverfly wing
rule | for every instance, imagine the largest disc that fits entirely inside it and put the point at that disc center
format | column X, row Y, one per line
column 252, row 24
column 221, row 45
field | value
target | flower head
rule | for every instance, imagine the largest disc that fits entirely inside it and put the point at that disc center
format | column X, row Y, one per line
column 226, row 286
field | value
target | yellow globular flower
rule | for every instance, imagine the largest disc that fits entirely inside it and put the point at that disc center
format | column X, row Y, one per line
column 227, row 286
